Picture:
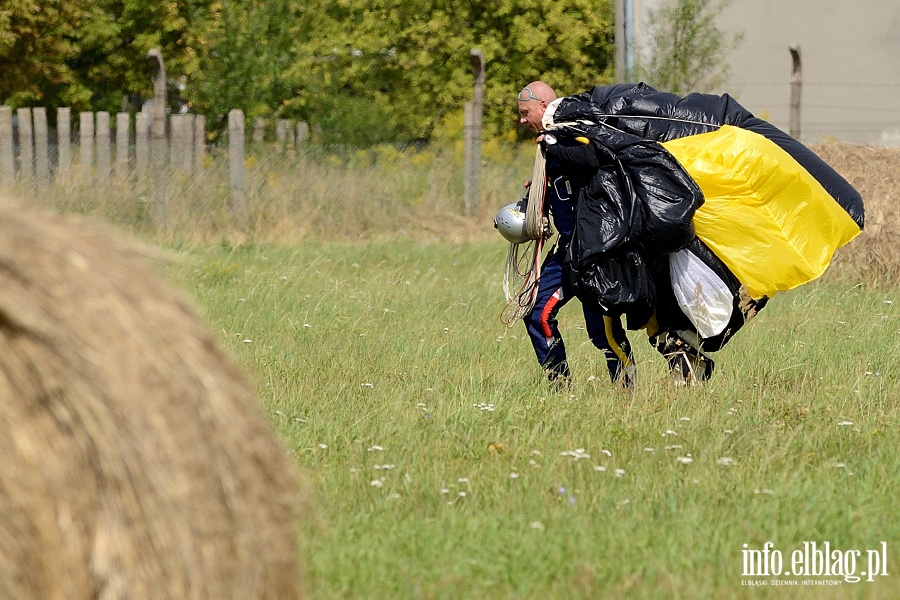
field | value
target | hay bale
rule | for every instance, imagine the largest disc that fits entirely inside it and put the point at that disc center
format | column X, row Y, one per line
column 874, row 257
column 134, row 458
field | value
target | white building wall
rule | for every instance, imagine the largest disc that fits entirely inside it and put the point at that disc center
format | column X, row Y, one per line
column 850, row 58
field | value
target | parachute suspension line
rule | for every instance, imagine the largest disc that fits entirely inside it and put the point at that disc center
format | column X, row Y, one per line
column 534, row 214
column 523, row 261
column 605, row 124
column 522, row 274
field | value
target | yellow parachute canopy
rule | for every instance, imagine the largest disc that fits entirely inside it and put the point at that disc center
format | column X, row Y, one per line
column 764, row 216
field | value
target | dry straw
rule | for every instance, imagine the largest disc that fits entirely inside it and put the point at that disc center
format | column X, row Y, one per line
column 136, row 462
column 874, row 257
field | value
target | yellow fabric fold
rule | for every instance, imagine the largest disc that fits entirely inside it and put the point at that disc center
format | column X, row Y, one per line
column 764, row 215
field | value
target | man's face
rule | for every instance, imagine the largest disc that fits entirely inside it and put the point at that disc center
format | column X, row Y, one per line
column 531, row 112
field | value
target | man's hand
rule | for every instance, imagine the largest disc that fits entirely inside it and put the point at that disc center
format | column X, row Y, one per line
column 546, row 140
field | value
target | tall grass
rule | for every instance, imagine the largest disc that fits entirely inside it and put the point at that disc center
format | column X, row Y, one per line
column 446, row 467
column 367, row 308
column 322, row 192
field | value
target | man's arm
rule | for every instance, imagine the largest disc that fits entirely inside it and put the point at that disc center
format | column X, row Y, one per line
column 582, row 156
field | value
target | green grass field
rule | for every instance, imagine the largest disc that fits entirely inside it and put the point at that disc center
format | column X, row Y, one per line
column 442, row 465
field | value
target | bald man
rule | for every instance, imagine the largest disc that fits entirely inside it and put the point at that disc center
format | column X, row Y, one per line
column 570, row 165
column 533, row 101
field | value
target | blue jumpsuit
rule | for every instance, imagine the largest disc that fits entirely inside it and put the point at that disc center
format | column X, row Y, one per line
column 555, row 290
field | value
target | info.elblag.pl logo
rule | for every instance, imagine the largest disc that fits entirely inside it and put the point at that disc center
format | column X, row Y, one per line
column 820, row 561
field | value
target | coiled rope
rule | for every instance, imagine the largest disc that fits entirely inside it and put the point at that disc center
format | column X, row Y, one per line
column 523, row 261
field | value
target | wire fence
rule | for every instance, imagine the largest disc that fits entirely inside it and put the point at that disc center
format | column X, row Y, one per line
column 268, row 180
column 856, row 112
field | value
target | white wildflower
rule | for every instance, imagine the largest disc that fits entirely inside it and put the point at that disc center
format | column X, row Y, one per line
column 577, row 454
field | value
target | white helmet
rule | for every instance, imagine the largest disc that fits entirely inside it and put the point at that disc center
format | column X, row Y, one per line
column 510, row 222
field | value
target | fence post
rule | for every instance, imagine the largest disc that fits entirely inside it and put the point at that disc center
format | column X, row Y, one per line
column 103, row 149
column 7, row 159
column 472, row 184
column 26, row 144
column 141, row 145
column 41, row 154
column 158, row 130
column 123, row 125
column 302, row 133
column 259, row 131
column 63, row 141
column 86, row 142
column 281, row 127
column 289, row 135
column 199, row 143
column 237, row 176
column 181, row 145
column 796, row 87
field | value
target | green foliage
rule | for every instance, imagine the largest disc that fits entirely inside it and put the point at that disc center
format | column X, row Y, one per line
column 90, row 55
column 407, row 65
column 359, row 71
column 687, row 52
column 37, row 39
column 244, row 49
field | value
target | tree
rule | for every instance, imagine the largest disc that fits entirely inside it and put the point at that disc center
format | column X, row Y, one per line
column 363, row 71
column 88, row 54
column 686, row 51
column 37, row 39
column 378, row 70
column 246, row 50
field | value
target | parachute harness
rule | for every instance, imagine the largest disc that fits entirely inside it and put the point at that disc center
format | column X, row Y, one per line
column 523, row 261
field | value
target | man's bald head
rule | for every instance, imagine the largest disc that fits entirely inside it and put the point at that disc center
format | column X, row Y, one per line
column 533, row 101
column 538, row 89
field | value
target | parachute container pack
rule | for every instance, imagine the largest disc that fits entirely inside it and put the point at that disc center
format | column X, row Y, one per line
column 700, row 211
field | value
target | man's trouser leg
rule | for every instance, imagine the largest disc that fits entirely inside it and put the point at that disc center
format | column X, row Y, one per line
column 608, row 335
column 541, row 323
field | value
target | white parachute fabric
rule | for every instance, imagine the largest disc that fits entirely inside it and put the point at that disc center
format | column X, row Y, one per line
column 701, row 294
